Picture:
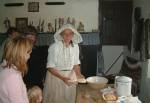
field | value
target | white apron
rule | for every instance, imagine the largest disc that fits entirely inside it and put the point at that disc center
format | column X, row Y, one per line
column 56, row 91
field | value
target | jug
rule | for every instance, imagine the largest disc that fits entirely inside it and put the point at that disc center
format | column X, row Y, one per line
column 123, row 85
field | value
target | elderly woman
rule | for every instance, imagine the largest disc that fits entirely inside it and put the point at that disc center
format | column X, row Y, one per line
column 63, row 67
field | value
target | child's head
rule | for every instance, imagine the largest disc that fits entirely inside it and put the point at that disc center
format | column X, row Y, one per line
column 35, row 94
column 13, row 32
column 31, row 33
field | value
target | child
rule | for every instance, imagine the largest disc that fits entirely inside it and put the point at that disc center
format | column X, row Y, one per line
column 35, row 94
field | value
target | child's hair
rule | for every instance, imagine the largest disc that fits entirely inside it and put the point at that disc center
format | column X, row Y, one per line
column 35, row 94
column 30, row 30
column 11, row 30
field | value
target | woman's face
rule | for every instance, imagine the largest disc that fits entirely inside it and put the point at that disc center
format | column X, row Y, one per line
column 67, row 35
column 27, row 56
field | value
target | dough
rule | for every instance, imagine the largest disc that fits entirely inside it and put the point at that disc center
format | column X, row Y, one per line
column 82, row 80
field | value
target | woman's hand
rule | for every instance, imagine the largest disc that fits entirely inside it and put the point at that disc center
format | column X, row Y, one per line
column 80, row 76
column 78, row 72
column 56, row 73
column 66, row 80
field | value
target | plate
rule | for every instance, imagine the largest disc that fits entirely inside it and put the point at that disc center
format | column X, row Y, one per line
column 110, row 96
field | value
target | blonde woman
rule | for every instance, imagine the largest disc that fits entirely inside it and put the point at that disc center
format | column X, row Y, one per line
column 35, row 94
column 63, row 66
column 14, row 66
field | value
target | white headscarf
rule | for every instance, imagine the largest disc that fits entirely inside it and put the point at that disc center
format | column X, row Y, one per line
column 76, row 38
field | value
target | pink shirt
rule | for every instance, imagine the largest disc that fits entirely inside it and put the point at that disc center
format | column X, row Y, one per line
column 12, row 87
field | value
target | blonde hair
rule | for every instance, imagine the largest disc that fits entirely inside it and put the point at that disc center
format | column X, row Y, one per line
column 14, row 53
column 35, row 94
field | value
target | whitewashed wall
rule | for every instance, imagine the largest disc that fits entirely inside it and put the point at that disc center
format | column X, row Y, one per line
column 82, row 10
column 110, row 54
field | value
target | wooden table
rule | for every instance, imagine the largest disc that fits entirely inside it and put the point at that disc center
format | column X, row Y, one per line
column 86, row 94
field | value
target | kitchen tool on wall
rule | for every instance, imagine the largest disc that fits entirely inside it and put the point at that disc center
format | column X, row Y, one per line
column 7, row 23
column 147, row 39
column 50, row 27
column 54, row 3
column 13, row 4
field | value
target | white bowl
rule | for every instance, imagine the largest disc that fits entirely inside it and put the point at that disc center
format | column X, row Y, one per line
column 97, row 82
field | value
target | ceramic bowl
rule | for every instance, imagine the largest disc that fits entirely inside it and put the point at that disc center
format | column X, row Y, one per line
column 97, row 82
